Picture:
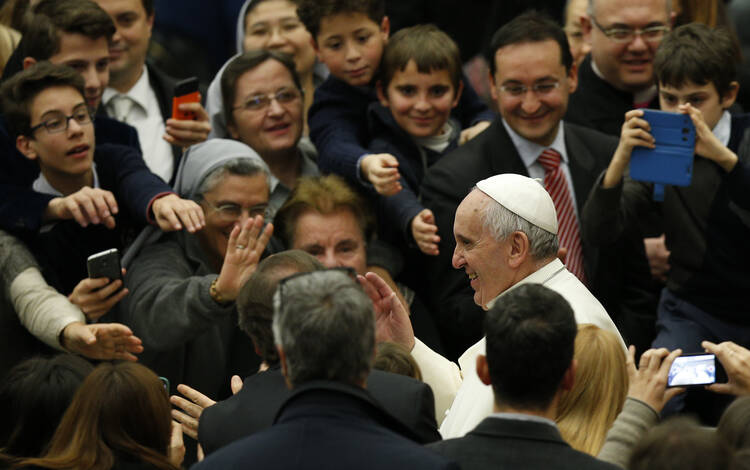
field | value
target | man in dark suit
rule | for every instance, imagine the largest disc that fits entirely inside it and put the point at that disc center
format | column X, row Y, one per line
column 618, row 74
column 240, row 416
column 532, row 75
column 141, row 95
column 324, row 330
column 529, row 363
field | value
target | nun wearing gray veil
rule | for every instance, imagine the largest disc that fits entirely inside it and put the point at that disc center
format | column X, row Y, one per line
column 183, row 286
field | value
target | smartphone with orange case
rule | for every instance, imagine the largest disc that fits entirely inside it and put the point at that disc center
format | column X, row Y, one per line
column 186, row 91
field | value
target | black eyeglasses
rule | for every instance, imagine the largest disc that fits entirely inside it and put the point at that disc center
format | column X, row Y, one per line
column 57, row 121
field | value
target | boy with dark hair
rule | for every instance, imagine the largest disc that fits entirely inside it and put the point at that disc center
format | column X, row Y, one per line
column 53, row 126
column 418, row 85
column 76, row 33
column 349, row 36
column 706, row 224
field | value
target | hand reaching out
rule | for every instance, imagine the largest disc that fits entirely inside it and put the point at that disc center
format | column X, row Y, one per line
column 86, row 206
column 193, row 407
column 382, row 171
column 171, row 212
column 391, row 319
column 103, row 341
column 424, row 231
column 244, row 249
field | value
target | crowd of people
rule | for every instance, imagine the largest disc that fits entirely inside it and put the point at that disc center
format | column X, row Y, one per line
column 361, row 248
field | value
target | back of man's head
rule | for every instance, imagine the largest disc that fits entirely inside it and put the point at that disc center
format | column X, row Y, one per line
column 680, row 444
column 52, row 18
column 324, row 327
column 531, row 333
column 255, row 301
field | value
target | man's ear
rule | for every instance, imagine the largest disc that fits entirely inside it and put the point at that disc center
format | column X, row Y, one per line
column 483, row 370
column 282, row 361
column 519, row 249
column 28, row 62
column 569, row 378
column 382, row 96
column 573, row 77
column 459, row 90
column 23, row 144
column 586, row 27
column 730, row 96
column 385, row 28
column 493, row 87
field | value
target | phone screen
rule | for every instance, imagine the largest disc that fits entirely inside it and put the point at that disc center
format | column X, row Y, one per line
column 695, row 369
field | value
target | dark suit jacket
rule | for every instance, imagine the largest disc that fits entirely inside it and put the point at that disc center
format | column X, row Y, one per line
column 254, row 407
column 450, row 179
column 512, row 444
column 327, row 425
column 21, row 208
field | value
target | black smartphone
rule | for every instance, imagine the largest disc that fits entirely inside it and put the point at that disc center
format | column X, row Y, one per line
column 692, row 370
column 105, row 264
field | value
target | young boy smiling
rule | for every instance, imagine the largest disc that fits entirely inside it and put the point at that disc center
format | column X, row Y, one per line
column 707, row 224
column 418, row 86
column 349, row 37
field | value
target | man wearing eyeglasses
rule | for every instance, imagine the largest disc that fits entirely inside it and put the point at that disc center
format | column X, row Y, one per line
column 618, row 74
column 50, row 120
column 263, row 108
column 532, row 76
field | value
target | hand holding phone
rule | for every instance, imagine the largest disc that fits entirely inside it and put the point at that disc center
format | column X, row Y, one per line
column 98, row 293
column 186, row 91
column 671, row 159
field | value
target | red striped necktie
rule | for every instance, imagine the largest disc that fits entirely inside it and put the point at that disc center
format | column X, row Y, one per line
column 567, row 224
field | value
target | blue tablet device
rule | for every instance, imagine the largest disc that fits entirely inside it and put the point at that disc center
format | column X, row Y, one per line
column 671, row 162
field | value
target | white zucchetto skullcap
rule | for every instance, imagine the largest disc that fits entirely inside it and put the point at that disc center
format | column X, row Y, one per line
column 524, row 196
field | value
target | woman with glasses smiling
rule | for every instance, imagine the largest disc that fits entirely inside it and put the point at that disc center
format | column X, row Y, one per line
column 182, row 288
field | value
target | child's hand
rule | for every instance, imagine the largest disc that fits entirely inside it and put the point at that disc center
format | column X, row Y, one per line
column 636, row 131
column 381, row 170
column 706, row 143
column 473, row 131
column 424, row 230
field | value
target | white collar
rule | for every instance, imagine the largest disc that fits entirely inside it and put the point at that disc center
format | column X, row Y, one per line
column 41, row 185
column 540, row 276
column 530, row 151
column 723, row 129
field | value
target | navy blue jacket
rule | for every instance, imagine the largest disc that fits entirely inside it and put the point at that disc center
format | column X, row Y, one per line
column 396, row 212
column 62, row 250
column 328, row 425
column 21, row 208
column 338, row 123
